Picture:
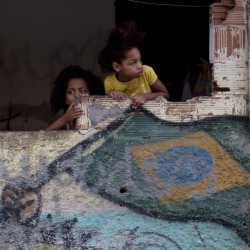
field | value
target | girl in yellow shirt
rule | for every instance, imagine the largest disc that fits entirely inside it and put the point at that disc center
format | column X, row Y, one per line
column 127, row 75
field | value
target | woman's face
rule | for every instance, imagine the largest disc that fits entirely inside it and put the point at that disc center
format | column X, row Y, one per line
column 76, row 87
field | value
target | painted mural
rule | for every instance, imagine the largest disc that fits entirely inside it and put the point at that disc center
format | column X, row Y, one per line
column 141, row 183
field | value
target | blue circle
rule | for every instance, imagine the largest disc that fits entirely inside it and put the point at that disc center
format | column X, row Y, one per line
column 182, row 165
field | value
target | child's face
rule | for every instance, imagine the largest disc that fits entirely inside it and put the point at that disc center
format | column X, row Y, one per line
column 76, row 87
column 131, row 66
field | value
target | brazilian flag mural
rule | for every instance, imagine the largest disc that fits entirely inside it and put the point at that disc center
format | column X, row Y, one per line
column 153, row 185
column 194, row 172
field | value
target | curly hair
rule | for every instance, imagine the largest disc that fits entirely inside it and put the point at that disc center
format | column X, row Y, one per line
column 122, row 38
column 59, row 86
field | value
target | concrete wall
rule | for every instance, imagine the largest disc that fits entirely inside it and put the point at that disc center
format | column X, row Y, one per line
column 140, row 183
column 62, row 33
column 39, row 38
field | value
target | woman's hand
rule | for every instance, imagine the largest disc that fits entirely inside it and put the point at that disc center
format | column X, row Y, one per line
column 116, row 95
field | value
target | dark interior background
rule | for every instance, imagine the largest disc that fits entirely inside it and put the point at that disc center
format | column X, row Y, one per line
column 177, row 36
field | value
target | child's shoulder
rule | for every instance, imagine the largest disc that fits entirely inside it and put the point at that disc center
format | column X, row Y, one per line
column 110, row 76
column 147, row 68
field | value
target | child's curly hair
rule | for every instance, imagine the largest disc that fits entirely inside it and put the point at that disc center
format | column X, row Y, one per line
column 121, row 39
column 59, row 86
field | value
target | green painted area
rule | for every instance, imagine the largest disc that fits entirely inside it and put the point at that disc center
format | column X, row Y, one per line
column 113, row 167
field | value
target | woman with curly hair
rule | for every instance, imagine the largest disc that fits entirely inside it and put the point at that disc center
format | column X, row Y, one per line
column 71, row 82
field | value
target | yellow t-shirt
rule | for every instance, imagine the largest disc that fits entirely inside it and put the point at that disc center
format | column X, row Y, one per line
column 138, row 85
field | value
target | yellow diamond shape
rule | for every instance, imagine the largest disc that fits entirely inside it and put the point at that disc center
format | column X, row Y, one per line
column 226, row 172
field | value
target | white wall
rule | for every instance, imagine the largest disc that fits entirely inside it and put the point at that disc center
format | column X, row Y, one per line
column 40, row 37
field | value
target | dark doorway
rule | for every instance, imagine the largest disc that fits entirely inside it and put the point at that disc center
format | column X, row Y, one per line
column 177, row 36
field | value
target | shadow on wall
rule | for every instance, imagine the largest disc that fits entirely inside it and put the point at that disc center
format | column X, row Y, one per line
column 33, row 52
column 24, row 117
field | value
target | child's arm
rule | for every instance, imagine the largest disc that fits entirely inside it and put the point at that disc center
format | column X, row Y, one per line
column 71, row 114
column 158, row 89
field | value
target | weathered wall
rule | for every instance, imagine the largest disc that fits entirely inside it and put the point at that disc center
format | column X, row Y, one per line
column 144, row 182
column 32, row 53
column 38, row 39
column 141, row 183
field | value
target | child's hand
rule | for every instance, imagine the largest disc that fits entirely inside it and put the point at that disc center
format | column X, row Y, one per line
column 72, row 113
column 138, row 99
column 116, row 95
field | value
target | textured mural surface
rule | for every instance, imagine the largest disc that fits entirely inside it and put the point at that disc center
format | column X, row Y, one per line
column 140, row 184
